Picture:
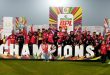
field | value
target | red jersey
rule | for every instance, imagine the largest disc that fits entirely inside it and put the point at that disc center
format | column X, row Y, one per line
column 78, row 37
column 103, row 49
column 108, row 40
column 60, row 35
column 89, row 37
column 85, row 34
column 94, row 37
column 44, row 48
column 50, row 38
column 12, row 39
column 27, row 39
column 101, row 37
column 45, row 36
column 33, row 39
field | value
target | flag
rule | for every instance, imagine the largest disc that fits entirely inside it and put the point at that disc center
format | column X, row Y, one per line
column 106, row 26
column 24, row 21
column 105, row 22
column 20, row 20
column 17, row 22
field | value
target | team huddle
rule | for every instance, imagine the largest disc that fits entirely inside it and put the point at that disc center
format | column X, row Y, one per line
column 54, row 37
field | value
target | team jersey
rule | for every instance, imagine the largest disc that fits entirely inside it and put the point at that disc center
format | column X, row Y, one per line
column 12, row 39
column 108, row 40
column 65, row 35
column 27, row 39
column 88, row 37
column 44, row 48
column 103, row 49
column 50, row 38
column 33, row 39
column 94, row 37
column 60, row 35
column 45, row 36
column 78, row 37
column 101, row 37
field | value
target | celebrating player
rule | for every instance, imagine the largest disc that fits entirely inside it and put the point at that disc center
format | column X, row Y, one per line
column 103, row 50
column 45, row 53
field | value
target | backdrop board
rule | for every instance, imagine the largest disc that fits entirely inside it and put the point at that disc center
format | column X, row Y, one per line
column 69, row 18
column 97, row 29
column 8, row 26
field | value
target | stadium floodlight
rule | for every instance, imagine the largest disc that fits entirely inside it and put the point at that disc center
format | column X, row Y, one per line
column 57, row 2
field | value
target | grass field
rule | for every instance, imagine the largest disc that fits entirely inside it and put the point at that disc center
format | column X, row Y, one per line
column 21, row 67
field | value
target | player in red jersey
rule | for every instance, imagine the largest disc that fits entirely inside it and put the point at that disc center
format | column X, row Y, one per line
column 28, row 38
column 45, row 35
column 108, row 39
column 44, row 47
column 89, row 39
column 101, row 37
column 88, row 35
column 34, row 38
column 78, row 37
column 84, row 34
column 103, row 50
column 28, row 41
column 65, row 35
column 60, row 35
column 12, row 38
column 50, row 37
column 94, row 35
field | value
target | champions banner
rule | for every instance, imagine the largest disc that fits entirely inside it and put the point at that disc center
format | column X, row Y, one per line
column 68, row 18
column 68, row 52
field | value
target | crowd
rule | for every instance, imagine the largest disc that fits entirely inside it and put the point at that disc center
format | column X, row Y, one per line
column 44, row 36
